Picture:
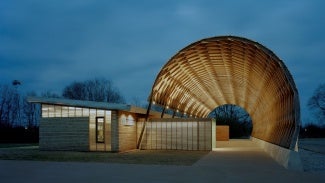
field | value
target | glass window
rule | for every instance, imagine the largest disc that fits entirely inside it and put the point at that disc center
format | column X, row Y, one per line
column 78, row 112
column 108, row 116
column 51, row 111
column 65, row 111
column 45, row 111
column 58, row 111
column 100, row 112
column 72, row 112
column 100, row 129
column 92, row 112
column 85, row 112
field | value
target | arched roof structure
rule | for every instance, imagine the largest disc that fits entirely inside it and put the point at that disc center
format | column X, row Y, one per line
column 232, row 70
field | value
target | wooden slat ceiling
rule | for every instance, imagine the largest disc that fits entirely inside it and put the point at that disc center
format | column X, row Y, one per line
column 232, row 70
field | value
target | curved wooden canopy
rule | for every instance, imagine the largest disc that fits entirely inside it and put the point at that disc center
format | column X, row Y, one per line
column 232, row 70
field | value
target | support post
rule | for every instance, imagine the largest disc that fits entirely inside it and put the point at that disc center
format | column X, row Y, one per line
column 163, row 112
column 173, row 114
column 144, row 125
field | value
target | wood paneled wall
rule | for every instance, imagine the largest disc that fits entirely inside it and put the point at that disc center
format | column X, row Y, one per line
column 124, row 131
column 222, row 133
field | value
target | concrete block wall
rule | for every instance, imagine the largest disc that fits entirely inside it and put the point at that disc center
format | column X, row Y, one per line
column 64, row 134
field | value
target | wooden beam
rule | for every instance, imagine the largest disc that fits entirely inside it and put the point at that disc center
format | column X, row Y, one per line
column 144, row 125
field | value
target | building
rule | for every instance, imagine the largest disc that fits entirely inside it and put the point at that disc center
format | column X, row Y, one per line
column 200, row 77
column 98, row 126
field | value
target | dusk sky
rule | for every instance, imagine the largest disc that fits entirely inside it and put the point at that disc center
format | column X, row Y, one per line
column 49, row 44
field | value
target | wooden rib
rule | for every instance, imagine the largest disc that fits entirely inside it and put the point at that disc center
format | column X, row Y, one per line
column 241, row 72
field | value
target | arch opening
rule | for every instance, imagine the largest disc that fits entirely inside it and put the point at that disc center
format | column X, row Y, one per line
column 237, row 118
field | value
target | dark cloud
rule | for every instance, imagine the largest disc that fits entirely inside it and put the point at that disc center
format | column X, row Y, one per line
column 48, row 44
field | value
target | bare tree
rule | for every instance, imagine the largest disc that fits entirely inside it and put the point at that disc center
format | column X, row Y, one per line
column 136, row 101
column 10, row 108
column 317, row 103
column 31, row 112
column 100, row 90
column 50, row 94
column 228, row 113
column 237, row 118
column 18, row 118
column 5, row 101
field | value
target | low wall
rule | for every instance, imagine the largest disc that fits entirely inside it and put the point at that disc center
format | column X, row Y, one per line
column 64, row 134
column 288, row 158
column 222, row 133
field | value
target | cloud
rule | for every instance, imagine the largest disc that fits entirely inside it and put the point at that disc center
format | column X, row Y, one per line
column 51, row 43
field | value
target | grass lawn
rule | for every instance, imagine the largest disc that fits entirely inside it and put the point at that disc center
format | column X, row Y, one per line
column 8, row 145
column 157, row 157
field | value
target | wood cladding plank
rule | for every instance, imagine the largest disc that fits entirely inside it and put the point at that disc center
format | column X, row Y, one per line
column 127, row 139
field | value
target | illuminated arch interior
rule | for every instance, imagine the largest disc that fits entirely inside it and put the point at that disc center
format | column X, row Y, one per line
column 232, row 70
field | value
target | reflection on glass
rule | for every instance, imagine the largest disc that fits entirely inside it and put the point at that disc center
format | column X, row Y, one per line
column 100, row 129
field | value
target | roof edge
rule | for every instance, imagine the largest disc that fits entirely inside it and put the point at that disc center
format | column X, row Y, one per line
column 79, row 103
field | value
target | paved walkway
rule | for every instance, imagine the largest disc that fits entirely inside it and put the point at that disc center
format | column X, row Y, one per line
column 228, row 164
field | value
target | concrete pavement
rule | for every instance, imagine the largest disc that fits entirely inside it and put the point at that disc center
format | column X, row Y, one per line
column 228, row 164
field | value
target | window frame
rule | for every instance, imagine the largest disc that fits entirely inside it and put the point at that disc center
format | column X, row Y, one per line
column 103, row 129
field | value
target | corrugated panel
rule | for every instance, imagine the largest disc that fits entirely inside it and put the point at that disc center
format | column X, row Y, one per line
column 178, row 134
